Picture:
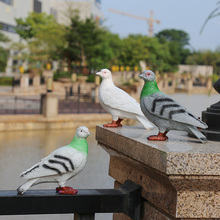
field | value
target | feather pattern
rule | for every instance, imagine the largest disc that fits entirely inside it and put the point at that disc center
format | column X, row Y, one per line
column 166, row 113
column 160, row 105
column 61, row 165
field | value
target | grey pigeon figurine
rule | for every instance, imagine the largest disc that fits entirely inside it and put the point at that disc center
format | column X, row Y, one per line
column 165, row 113
column 61, row 165
column 118, row 103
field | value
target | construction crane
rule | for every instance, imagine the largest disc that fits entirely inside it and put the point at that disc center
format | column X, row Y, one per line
column 150, row 20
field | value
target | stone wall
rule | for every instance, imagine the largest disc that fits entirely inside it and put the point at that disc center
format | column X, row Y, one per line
column 40, row 122
column 180, row 178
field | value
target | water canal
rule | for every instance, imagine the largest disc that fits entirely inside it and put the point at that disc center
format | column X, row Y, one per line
column 20, row 150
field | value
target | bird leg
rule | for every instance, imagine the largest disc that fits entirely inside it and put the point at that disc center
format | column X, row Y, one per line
column 66, row 190
column 114, row 124
column 118, row 122
column 159, row 137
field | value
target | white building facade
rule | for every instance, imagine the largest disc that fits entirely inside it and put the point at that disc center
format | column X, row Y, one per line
column 11, row 9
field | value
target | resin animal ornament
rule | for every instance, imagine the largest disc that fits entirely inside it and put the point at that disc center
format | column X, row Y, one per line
column 61, row 165
column 118, row 103
column 165, row 113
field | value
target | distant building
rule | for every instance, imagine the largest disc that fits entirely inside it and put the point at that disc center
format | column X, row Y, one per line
column 11, row 9
column 196, row 70
column 87, row 9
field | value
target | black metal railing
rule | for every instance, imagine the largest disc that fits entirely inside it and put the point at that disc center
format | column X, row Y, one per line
column 20, row 105
column 75, row 104
column 72, row 106
column 126, row 199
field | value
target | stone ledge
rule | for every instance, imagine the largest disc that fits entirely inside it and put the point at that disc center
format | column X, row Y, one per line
column 39, row 122
column 174, row 186
column 180, row 155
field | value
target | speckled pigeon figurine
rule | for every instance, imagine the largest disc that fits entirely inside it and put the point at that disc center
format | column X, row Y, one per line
column 165, row 113
column 61, row 165
column 118, row 103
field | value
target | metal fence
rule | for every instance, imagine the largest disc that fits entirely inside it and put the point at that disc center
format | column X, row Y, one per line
column 71, row 106
column 84, row 205
column 32, row 105
column 20, row 105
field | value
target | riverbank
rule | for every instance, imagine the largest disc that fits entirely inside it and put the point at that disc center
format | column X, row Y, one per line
column 62, row 121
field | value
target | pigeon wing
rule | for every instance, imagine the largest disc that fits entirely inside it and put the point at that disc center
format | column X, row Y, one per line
column 59, row 162
column 161, row 105
column 116, row 98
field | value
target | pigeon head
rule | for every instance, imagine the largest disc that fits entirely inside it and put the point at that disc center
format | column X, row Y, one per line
column 82, row 132
column 105, row 74
column 148, row 75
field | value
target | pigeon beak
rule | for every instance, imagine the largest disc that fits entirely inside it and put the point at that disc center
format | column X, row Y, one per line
column 142, row 75
column 99, row 73
column 89, row 133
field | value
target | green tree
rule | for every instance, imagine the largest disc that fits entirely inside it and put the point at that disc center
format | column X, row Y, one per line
column 20, row 55
column 150, row 50
column 89, row 44
column 3, row 52
column 177, row 41
column 44, row 37
column 29, row 27
column 51, row 39
column 172, row 35
column 106, row 52
column 205, row 57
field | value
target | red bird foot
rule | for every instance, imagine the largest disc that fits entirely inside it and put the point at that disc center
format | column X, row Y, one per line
column 114, row 124
column 159, row 137
column 66, row 190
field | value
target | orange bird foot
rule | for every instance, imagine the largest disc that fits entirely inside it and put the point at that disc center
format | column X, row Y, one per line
column 159, row 137
column 66, row 190
column 114, row 124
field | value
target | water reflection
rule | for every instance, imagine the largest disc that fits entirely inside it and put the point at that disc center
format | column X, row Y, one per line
column 21, row 150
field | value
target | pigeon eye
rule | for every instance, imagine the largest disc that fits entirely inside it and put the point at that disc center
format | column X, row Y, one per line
column 81, row 131
column 148, row 74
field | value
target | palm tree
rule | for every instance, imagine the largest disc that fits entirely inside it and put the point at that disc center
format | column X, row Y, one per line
column 213, row 14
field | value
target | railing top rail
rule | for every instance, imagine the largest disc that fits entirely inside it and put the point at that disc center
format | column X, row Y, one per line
column 125, row 199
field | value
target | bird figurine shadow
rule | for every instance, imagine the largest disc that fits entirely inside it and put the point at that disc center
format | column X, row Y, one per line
column 60, row 166
column 118, row 103
column 165, row 113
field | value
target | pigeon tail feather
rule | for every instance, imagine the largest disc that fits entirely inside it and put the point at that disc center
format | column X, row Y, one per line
column 194, row 130
column 144, row 122
column 21, row 189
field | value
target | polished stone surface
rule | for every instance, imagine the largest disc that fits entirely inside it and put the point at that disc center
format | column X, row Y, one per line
column 179, row 155
column 181, row 176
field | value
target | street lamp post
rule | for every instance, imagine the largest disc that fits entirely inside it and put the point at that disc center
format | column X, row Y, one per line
column 212, row 118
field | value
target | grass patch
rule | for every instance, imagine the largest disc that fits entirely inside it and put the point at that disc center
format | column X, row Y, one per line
column 6, row 81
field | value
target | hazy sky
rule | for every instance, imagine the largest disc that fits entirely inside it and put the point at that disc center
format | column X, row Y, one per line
column 186, row 15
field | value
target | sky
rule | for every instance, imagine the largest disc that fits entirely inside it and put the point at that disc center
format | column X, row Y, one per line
column 186, row 15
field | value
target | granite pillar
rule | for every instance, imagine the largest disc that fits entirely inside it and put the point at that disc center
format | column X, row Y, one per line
column 49, row 104
column 36, row 81
column 180, row 178
column 24, row 81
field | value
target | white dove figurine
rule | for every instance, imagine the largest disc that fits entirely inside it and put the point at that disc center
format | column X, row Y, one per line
column 118, row 103
column 165, row 113
column 61, row 165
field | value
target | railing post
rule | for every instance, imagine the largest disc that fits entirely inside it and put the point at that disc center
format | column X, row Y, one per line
column 133, row 206
column 78, row 102
column 90, row 216
column 49, row 104
column 15, row 105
